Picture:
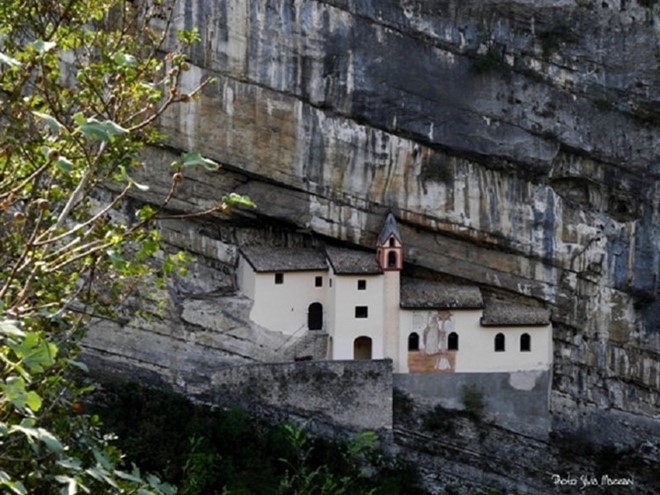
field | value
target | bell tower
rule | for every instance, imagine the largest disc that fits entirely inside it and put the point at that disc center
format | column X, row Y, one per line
column 389, row 253
column 389, row 248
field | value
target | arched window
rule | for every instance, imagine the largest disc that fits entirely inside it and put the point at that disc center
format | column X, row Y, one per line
column 452, row 342
column 392, row 242
column 525, row 343
column 315, row 316
column 391, row 259
column 413, row 342
column 362, row 348
column 499, row 342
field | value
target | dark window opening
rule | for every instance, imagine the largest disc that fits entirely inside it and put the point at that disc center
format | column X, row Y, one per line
column 452, row 341
column 391, row 259
column 361, row 312
column 318, row 282
column 362, row 285
column 392, row 242
column 279, row 278
column 413, row 342
column 525, row 343
column 330, row 282
column 499, row 342
column 315, row 316
column 362, row 348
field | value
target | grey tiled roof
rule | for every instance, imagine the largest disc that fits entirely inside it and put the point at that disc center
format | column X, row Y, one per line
column 499, row 314
column 426, row 294
column 352, row 262
column 389, row 228
column 268, row 259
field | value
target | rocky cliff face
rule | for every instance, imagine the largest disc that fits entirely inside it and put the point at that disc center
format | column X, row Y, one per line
column 516, row 141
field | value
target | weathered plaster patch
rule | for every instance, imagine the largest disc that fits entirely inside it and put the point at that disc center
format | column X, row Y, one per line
column 525, row 380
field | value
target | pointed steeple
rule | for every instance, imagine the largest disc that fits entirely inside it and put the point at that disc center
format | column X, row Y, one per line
column 390, row 228
column 389, row 247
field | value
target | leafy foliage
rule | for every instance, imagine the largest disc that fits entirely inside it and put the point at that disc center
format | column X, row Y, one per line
column 225, row 451
column 82, row 85
column 473, row 400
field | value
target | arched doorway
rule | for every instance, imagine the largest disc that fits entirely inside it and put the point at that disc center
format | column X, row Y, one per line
column 362, row 348
column 315, row 316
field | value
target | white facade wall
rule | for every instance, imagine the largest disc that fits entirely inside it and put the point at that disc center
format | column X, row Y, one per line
column 391, row 310
column 482, row 347
column 345, row 326
column 476, row 349
column 284, row 307
column 246, row 278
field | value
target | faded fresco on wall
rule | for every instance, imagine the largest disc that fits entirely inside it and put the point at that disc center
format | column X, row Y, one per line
column 432, row 329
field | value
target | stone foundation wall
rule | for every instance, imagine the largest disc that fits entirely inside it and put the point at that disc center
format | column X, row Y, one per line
column 347, row 394
column 329, row 395
column 518, row 401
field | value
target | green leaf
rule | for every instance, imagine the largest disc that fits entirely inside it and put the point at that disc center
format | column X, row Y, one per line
column 64, row 164
column 6, row 59
column 145, row 212
column 124, row 59
column 33, row 401
column 194, row 158
column 102, row 459
column 71, row 487
column 116, row 259
column 103, row 131
column 79, row 119
column 15, row 486
column 81, row 366
column 43, row 46
column 9, row 327
column 235, row 199
column 50, row 121
column 129, row 477
column 51, row 441
column 14, row 389
column 125, row 176
column 188, row 36
column 42, row 435
column 36, row 353
column 71, row 463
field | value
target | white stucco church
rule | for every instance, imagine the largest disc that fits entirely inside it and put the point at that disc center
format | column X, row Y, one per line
column 369, row 311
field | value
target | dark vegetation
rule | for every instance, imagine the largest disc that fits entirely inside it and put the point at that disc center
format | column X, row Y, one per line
column 226, row 451
column 615, row 462
column 490, row 61
column 473, row 401
column 443, row 420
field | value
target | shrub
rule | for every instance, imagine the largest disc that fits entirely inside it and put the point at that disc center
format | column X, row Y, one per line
column 473, row 401
column 440, row 419
column 403, row 405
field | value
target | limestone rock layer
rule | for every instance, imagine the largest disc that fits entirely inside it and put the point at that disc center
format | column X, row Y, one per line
column 516, row 142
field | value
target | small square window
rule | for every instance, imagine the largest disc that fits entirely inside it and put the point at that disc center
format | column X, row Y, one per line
column 279, row 278
column 362, row 285
column 318, row 282
column 361, row 312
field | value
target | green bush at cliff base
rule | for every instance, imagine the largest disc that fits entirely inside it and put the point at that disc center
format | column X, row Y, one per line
column 225, row 451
